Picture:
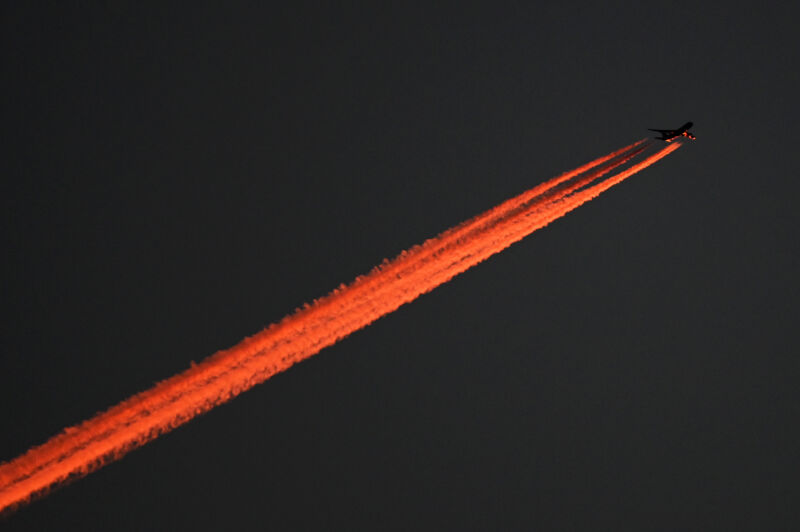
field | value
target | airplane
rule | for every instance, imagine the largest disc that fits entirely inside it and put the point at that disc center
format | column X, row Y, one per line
column 668, row 135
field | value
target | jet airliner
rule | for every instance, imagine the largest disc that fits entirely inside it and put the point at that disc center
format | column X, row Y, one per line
column 668, row 135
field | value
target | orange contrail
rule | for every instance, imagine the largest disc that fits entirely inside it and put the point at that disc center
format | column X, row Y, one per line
column 109, row 435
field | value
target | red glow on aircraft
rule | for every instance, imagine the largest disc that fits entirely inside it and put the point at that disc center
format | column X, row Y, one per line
column 668, row 135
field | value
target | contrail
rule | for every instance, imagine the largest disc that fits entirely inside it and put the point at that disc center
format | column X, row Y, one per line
column 109, row 435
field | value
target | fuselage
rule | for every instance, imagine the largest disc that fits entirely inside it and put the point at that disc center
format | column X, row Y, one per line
column 668, row 135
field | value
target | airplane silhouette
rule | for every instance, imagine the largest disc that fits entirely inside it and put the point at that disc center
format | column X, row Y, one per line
column 668, row 135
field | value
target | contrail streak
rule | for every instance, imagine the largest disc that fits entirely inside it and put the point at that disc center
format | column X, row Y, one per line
column 109, row 435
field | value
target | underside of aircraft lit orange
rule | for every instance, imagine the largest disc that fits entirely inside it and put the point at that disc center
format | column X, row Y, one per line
column 668, row 135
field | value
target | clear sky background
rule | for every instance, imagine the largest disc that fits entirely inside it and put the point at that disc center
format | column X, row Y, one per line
column 177, row 179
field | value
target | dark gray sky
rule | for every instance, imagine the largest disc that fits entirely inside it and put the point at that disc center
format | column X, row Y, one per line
column 176, row 180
